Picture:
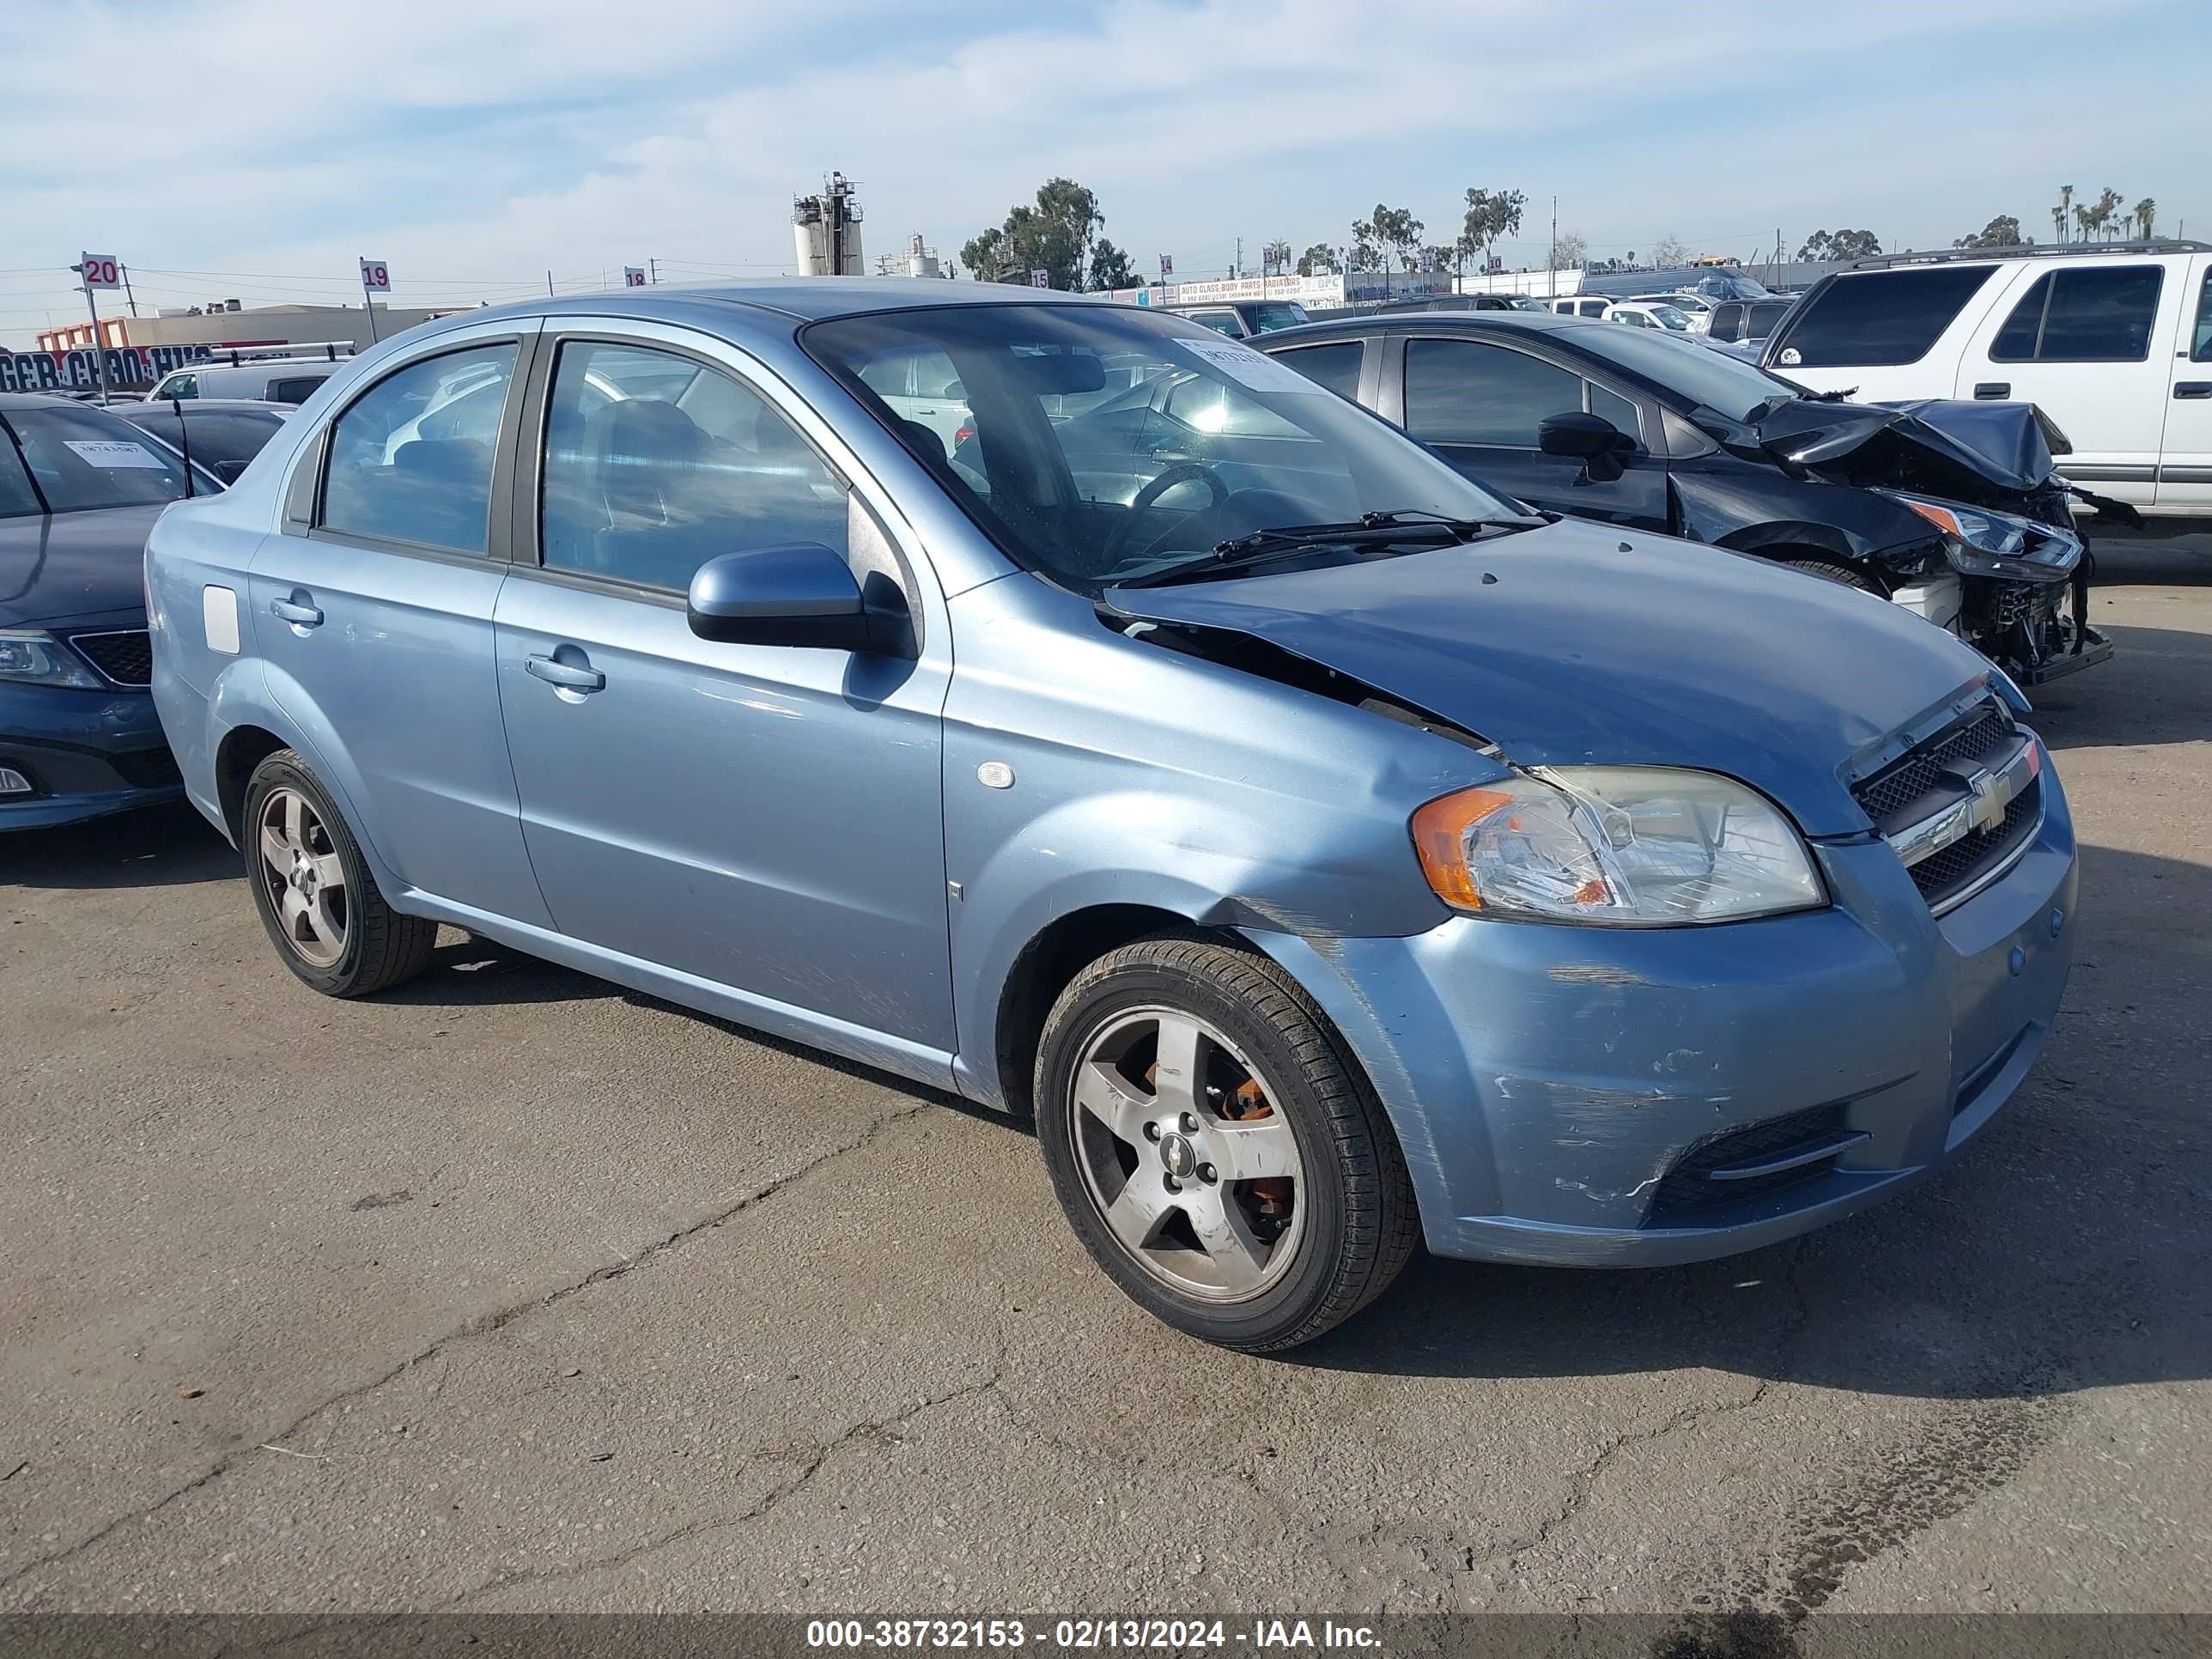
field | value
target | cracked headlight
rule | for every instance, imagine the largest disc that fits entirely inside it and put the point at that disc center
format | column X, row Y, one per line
column 33, row 655
column 1980, row 543
column 1624, row 845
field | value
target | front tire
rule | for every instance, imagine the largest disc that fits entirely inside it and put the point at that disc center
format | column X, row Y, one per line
column 313, row 890
column 1833, row 570
column 1217, row 1152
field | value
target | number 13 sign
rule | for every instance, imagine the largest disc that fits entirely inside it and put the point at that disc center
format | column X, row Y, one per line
column 375, row 277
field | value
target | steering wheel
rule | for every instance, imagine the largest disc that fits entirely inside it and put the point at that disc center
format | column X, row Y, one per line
column 1182, row 472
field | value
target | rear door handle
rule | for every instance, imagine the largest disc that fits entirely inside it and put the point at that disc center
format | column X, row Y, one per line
column 300, row 616
column 1987, row 389
column 567, row 675
column 2192, row 388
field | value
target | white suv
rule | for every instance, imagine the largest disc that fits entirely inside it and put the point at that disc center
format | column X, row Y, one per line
column 2114, row 344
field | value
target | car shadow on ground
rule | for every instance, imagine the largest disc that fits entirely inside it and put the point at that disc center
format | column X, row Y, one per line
column 164, row 846
column 2156, row 689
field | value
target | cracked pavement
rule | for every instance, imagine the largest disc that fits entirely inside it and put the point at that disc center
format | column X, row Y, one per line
column 513, row 1290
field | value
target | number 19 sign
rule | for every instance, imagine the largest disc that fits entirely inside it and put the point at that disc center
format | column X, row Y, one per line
column 375, row 277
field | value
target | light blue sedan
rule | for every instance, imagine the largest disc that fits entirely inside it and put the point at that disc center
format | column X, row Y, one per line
column 1332, row 854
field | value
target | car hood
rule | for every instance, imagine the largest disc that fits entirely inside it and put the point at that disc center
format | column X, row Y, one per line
column 1589, row 647
column 73, row 567
column 1941, row 445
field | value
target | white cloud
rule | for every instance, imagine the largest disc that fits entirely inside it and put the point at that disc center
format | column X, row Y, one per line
column 492, row 140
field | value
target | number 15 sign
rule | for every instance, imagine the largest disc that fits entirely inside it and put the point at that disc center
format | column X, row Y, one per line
column 375, row 277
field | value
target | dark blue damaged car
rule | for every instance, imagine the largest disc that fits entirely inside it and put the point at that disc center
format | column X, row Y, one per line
column 79, row 489
column 1330, row 854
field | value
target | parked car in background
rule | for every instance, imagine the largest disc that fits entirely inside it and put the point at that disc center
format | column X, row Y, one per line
column 288, row 374
column 1950, row 510
column 1695, row 307
column 2112, row 342
column 1240, row 319
column 79, row 488
column 1256, row 809
column 1592, row 306
column 1650, row 313
column 1746, row 325
column 221, row 435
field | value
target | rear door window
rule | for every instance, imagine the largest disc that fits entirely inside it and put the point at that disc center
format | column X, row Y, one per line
column 411, row 459
column 2200, row 349
column 296, row 390
column 179, row 385
column 2083, row 314
column 1335, row 366
column 1221, row 322
column 1876, row 319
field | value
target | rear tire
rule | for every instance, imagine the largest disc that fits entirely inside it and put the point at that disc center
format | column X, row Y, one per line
column 1218, row 1152
column 313, row 890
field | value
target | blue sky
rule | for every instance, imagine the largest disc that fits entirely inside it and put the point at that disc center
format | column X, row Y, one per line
column 475, row 144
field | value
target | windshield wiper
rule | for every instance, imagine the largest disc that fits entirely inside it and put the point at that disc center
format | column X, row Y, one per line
column 1413, row 527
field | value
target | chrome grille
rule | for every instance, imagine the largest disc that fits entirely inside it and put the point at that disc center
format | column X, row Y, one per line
column 1926, row 803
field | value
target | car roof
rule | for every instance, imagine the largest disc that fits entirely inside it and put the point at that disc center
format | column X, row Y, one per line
column 805, row 299
column 213, row 406
column 1482, row 322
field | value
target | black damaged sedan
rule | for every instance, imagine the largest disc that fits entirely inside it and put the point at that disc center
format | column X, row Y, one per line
column 1954, row 510
column 79, row 489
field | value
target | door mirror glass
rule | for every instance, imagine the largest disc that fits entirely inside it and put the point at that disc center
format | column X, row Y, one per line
column 800, row 593
column 1603, row 448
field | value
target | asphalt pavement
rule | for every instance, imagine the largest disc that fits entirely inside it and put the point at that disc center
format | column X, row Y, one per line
column 513, row 1290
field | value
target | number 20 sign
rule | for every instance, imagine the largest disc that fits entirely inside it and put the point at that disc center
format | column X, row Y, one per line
column 375, row 277
column 100, row 270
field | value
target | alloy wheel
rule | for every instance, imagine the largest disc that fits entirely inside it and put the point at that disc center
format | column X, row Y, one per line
column 1193, row 1170
column 303, row 877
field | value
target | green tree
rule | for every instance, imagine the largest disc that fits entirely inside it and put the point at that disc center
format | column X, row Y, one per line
column 2110, row 221
column 2146, row 215
column 1840, row 244
column 1111, row 268
column 1055, row 236
column 1365, row 252
column 1397, row 231
column 2004, row 231
column 1319, row 260
column 1491, row 215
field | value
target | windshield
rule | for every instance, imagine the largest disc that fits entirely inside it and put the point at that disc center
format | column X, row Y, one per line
column 1728, row 285
column 1207, row 441
column 1728, row 384
column 82, row 458
column 1263, row 315
column 1668, row 317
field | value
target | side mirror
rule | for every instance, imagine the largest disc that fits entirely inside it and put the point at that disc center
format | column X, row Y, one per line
column 1602, row 447
column 801, row 593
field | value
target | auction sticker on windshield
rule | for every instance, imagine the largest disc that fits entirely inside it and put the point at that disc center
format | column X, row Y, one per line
column 1254, row 370
column 111, row 453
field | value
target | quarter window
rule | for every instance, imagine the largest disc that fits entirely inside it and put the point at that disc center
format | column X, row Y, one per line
column 1336, row 367
column 1221, row 322
column 2201, row 349
column 2083, row 314
column 1880, row 318
column 295, row 391
column 179, row 385
column 1463, row 392
column 656, row 463
column 410, row 460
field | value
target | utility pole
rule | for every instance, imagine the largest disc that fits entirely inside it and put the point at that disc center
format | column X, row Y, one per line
column 127, row 293
column 1239, row 271
column 653, row 270
column 549, row 284
column 1553, row 282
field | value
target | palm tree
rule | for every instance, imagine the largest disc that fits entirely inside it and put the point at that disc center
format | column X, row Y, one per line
column 2065, row 206
column 2108, row 208
column 2146, row 212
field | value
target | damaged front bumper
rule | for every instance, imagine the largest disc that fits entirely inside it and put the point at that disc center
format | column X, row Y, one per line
column 1614, row 1098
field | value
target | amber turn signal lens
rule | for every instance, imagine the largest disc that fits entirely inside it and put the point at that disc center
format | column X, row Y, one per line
column 1440, row 840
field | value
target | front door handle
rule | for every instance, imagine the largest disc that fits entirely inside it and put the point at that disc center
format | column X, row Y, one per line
column 1989, row 389
column 2192, row 388
column 300, row 616
column 567, row 675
